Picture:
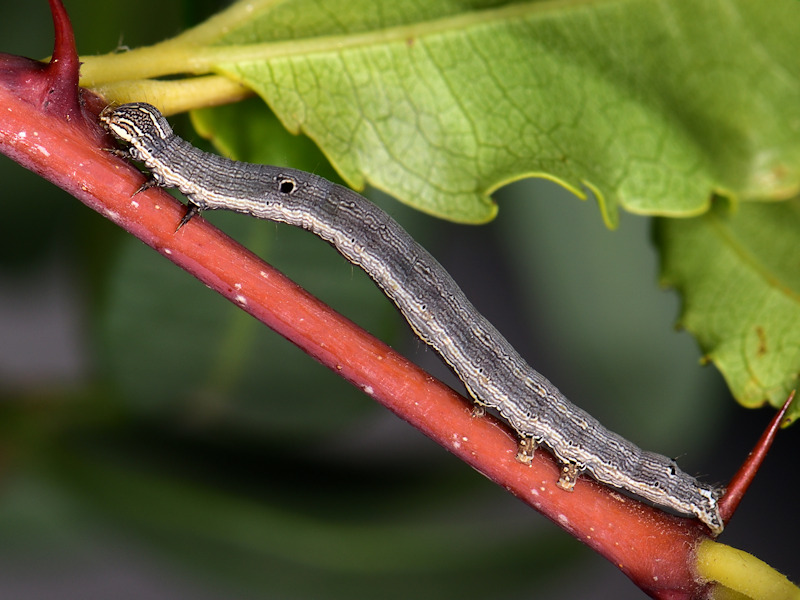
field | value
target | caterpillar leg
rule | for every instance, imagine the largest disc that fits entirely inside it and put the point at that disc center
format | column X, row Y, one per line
column 569, row 475
column 149, row 183
column 478, row 410
column 192, row 210
column 527, row 446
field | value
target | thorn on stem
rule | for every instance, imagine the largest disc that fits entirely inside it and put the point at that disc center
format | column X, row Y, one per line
column 747, row 472
column 64, row 65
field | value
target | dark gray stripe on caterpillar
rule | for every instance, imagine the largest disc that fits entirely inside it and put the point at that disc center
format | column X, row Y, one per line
column 435, row 307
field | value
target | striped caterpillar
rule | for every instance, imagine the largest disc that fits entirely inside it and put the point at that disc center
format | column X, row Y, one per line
column 493, row 372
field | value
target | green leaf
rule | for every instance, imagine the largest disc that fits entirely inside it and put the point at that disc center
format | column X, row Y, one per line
column 652, row 105
column 739, row 274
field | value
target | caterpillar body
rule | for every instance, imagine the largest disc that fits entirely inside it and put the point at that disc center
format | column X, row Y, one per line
column 493, row 372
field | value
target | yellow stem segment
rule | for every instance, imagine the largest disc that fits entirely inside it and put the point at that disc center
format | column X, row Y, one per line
column 740, row 575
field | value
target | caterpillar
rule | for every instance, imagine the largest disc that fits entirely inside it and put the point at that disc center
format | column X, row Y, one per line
column 492, row 371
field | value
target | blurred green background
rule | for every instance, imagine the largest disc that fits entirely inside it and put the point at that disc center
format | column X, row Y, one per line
column 156, row 442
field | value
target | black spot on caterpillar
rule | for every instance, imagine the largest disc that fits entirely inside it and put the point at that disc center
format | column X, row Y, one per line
column 493, row 372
